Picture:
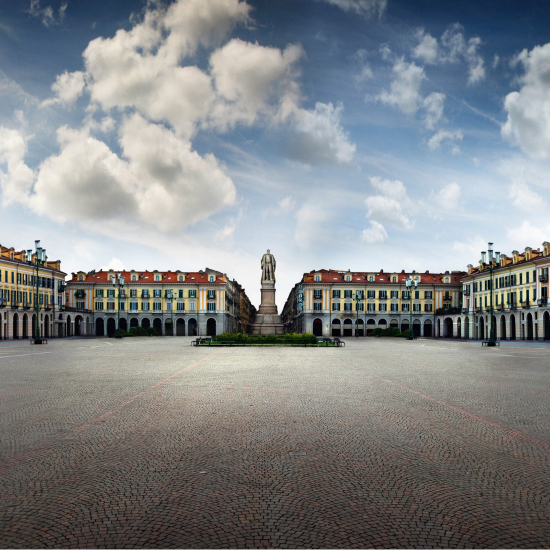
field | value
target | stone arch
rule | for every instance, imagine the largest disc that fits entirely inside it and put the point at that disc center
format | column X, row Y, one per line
column 371, row 325
column 348, row 327
column 317, row 327
column 467, row 327
column 111, row 327
column 25, row 327
column 448, row 328
column 78, row 325
column 404, row 325
column 360, row 327
column 482, row 328
column 512, row 327
column 70, row 327
column 123, row 325
column 168, row 328
column 100, row 327
column 180, row 327
column 417, row 327
column 134, row 322
column 502, row 327
column 46, row 326
column 383, row 324
column 157, row 325
column 336, row 327
column 438, row 328
column 15, row 331
column 211, row 327
column 428, row 328
column 394, row 323
column 33, row 325
column 529, row 326
column 192, row 327
column 145, row 323
column 459, row 328
column 546, row 323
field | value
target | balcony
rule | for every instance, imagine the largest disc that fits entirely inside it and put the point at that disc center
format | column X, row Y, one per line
column 526, row 304
column 417, row 312
column 540, row 302
column 512, row 307
column 464, row 311
column 447, row 299
column 543, row 278
column 394, row 312
column 478, row 310
column 466, row 292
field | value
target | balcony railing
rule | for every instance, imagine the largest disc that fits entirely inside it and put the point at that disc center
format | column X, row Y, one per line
column 417, row 312
column 447, row 299
column 543, row 278
column 464, row 311
column 526, row 304
column 466, row 292
column 512, row 306
column 542, row 302
column 393, row 312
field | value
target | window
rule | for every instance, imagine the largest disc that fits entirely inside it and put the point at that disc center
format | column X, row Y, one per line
column 145, row 293
column 180, row 278
column 360, row 294
column 521, row 278
column 535, row 275
column 428, row 308
column 192, row 294
column 382, row 307
column 211, row 306
column 317, row 306
column 133, row 293
column 370, row 294
column 382, row 295
column 347, row 306
column 111, row 293
column 156, row 293
column 405, row 306
column 428, row 294
column 417, row 307
column 133, row 306
column 348, row 278
column 134, row 278
column 157, row 306
column 180, row 293
column 181, row 306
column 121, row 306
column 317, row 277
column 317, row 294
column 144, row 306
column 211, row 278
column 394, row 307
column 336, row 306
column 347, row 293
column 79, row 305
column 98, row 305
column 394, row 294
column 99, row 292
column 394, row 279
column 359, row 306
column 211, row 294
column 336, row 294
column 191, row 306
column 157, row 277
column 405, row 295
column 111, row 306
column 371, row 308
column 527, row 278
column 371, row 278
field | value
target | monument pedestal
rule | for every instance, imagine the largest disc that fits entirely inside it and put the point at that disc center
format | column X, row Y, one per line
column 268, row 321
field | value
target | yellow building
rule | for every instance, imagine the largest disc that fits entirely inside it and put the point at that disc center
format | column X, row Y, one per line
column 172, row 302
column 19, row 297
column 519, row 284
column 339, row 303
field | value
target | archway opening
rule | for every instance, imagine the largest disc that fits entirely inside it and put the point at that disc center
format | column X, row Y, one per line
column 134, row 322
column 46, row 326
column 482, row 328
column 100, row 327
column 33, row 326
column 15, row 326
column 502, row 327
column 70, row 328
column 417, row 327
column 459, row 328
column 25, row 327
column 123, row 325
column 512, row 327
column 157, row 325
column 348, row 327
column 383, row 324
column 336, row 327
column 77, row 325
column 428, row 328
column 145, row 323
column 546, row 321
column 360, row 328
column 529, row 326
column 168, row 330
column 192, row 327
column 404, row 325
column 317, row 327
column 467, row 327
column 448, row 328
column 211, row 327
column 111, row 327
column 180, row 327
column 371, row 325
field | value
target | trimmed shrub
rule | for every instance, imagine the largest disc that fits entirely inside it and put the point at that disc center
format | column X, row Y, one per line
column 151, row 331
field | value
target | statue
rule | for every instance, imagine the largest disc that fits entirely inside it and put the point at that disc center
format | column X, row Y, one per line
column 268, row 268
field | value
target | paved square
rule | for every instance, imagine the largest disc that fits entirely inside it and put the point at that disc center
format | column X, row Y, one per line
column 149, row 442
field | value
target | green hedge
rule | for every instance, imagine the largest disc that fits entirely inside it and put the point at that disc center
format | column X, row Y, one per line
column 392, row 331
column 291, row 338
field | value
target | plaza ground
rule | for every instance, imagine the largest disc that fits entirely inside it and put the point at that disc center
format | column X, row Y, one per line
column 150, row 442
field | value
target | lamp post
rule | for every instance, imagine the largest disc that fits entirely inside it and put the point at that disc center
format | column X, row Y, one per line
column 39, row 260
column 170, row 296
column 491, row 341
column 358, row 298
column 409, row 283
column 118, row 282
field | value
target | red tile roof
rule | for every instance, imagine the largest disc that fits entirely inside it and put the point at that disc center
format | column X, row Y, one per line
column 333, row 276
column 147, row 277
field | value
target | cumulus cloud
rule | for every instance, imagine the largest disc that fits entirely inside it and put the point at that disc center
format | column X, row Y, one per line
column 528, row 122
column 427, row 48
column 433, row 104
column 457, row 48
column 449, row 196
column 445, row 135
column 527, row 234
column 320, row 137
column 471, row 248
column 388, row 206
column 282, row 208
column 47, row 14
column 367, row 8
column 312, row 226
column 17, row 180
column 68, row 87
column 405, row 88
column 115, row 264
column 374, row 234
column 524, row 198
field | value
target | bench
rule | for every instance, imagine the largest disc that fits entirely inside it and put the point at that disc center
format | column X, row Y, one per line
column 200, row 340
column 326, row 341
column 31, row 340
column 487, row 342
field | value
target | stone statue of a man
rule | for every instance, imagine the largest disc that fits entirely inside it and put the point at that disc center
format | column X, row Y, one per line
column 268, row 268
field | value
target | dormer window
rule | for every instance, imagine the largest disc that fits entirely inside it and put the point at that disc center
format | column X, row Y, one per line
column 317, row 278
column 394, row 279
column 446, row 279
column 134, row 278
column 80, row 278
column 348, row 278
column 211, row 278
column 371, row 278
column 180, row 278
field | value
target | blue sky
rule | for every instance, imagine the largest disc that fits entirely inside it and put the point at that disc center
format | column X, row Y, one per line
column 343, row 134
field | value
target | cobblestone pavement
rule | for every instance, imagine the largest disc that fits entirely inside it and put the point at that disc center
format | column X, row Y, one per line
column 149, row 442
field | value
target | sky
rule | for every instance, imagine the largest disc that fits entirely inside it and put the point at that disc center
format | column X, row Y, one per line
column 339, row 134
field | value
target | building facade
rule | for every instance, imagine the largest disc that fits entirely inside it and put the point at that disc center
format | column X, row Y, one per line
column 174, row 303
column 519, row 284
column 343, row 303
column 19, row 296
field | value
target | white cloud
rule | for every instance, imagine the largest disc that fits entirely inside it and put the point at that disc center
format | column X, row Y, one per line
column 405, row 88
column 115, row 264
column 496, row 61
column 362, row 7
column 282, row 208
column 448, row 197
column 456, row 48
column 389, row 205
column 320, row 137
column 528, row 110
column 68, row 87
column 433, row 104
column 312, row 226
column 445, row 135
column 47, row 14
column 471, row 250
column 524, row 198
column 427, row 48
column 375, row 234
column 17, row 181
column 527, row 234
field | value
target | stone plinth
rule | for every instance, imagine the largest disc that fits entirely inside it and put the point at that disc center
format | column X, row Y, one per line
column 268, row 321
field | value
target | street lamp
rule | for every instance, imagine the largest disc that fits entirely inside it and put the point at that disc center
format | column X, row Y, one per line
column 409, row 283
column 491, row 341
column 39, row 260
column 170, row 296
column 358, row 298
column 118, row 282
